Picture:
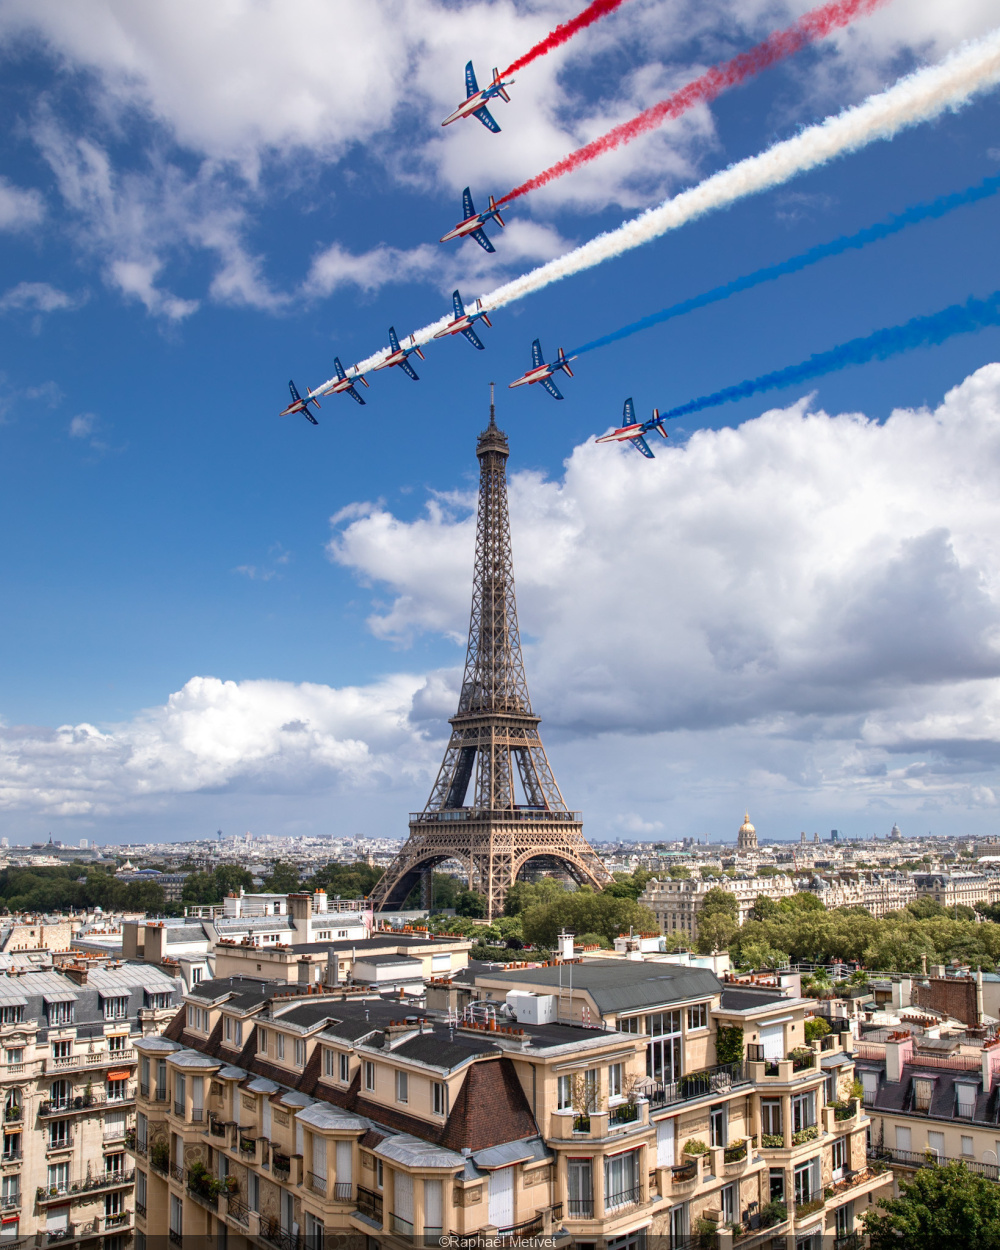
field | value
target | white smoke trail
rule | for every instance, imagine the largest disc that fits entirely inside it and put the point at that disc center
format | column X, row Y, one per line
column 919, row 97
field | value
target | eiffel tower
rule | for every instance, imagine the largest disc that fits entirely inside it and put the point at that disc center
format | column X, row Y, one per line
column 494, row 743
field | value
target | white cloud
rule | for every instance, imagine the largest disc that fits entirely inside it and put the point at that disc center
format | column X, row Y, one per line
column 38, row 297
column 82, row 425
column 251, row 737
column 825, row 588
column 19, row 208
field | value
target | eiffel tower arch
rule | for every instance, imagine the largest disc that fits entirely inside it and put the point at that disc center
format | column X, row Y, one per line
column 473, row 814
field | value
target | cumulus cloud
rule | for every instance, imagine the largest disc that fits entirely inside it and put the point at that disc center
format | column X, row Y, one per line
column 19, row 208
column 217, row 736
column 38, row 297
column 826, row 586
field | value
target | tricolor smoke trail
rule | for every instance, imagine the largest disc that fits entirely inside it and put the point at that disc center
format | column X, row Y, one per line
column 814, row 25
column 975, row 314
column 871, row 234
column 919, row 97
column 564, row 31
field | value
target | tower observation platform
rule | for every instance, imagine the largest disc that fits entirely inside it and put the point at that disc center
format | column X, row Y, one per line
column 515, row 815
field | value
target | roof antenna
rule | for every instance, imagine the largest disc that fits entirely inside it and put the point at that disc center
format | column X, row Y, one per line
column 493, row 418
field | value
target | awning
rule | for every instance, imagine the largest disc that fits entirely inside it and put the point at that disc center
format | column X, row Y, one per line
column 119, row 1074
column 59, row 996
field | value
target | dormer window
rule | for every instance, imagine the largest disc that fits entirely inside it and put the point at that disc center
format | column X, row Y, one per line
column 967, row 1100
column 923, row 1087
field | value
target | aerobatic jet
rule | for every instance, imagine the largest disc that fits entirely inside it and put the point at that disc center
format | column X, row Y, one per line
column 463, row 321
column 632, row 431
column 299, row 404
column 344, row 383
column 475, row 102
column 474, row 222
column 542, row 372
column 398, row 355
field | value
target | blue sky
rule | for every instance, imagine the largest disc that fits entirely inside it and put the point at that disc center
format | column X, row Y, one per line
column 196, row 208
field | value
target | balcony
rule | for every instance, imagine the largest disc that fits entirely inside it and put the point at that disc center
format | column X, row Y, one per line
column 238, row 1211
column 515, row 1232
column 623, row 1198
column 10, row 1202
column 624, row 1113
column 11, row 1157
column 401, row 1226
column 88, row 1185
column 803, row 1210
column 581, row 1208
column 271, row 1232
column 140, row 1210
column 316, row 1182
column 370, row 1205
column 343, row 1191
column 96, row 1059
column 53, row 1236
column 60, row 1107
column 709, row 1081
column 281, row 1165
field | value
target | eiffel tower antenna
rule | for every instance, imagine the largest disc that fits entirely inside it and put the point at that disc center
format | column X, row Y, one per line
column 474, row 814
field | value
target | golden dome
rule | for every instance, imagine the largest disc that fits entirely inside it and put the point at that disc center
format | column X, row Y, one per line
column 747, row 827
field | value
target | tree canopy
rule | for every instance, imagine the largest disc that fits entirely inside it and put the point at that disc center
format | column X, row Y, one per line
column 213, row 887
column 74, row 887
column 583, row 911
column 346, row 880
column 941, row 1206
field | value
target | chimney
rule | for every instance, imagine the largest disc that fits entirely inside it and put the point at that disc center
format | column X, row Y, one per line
column 923, row 965
column 898, row 1051
column 979, row 997
column 300, row 907
column 76, row 972
column 303, row 970
column 332, row 968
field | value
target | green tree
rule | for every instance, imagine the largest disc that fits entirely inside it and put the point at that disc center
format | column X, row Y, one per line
column 941, row 1206
column 801, row 902
column 583, row 911
column 627, row 885
column 764, row 908
column 815, row 1028
column 470, row 903
column 716, row 932
column 925, row 909
column 345, row 880
column 679, row 872
column 525, row 894
column 284, row 878
column 729, row 1044
column 720, row 900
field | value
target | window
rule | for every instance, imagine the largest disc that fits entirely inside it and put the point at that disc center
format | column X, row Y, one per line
column 157, row 1000
column 238, row 1032
column 11, row 1015
column 262, row 1041
column 564, row 1097
column 935, row 1144
column 180, row 1093
column 115, row 1008
column 117, row 1091
column 12, row 1146
column 176, row 1217
column 279, row 1045
column 194, row 1017
column 345, row 1069
column 114, row 1165
column 803, row 1183
column 869, row 1084
column 803, row 1111
column 438, row 1097
column 402, row 1087
column 58, row 1134
column 621, row 1180
column 314, row 1232
column 838, row 1158
column 770, row 1117
column 11, row 1191
column 61, row 1050
column 327, row 1062
column 967, row 1100
column 630, row 1024
column 15, row 1055
column 581, row 1188
column 300, row 1052
column 116, row 1042
column 369, row 1075
column 843, row 1222
column 229, row 1028
column 141, row 1132
column 776, row 1182
column 61, row 1013
column 904, row 1139
column 379, row 1175
column 717, row 1126
column 967, row 1149
column 727, row 1201
column 60, row 1094
column 698, row 1016
column 615, row 1080
column 196, row 974
column 58, row 1178
column 678, row 1224
column 114, row 1204
column 923, row 1088
column 663, row 1055
column 341, row 933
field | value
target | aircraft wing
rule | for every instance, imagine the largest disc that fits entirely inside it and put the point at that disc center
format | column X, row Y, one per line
column 473, row 337
column 640, row 444
column 628, row 413
column 551, row 387
column 339, row 368
column 354, row 394
column 456, row 303
column 486, row 117
column 409, row 370
column 393, row 340
column 467, row 208
column 536, row 354
column 481, row 238
column 309, row 417
column 471, row 86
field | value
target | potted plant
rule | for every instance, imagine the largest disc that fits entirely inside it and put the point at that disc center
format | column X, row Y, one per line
column 88, row 1093
column 78, row 1102
column 695, row 1146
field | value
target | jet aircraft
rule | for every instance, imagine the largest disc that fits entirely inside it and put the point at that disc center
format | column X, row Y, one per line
column 398, row 355
column 475, row 102
column 632, row 431
column 542, row 372
column 473, row 223
column 344, row 383
column 299, row 404
column 463, row 321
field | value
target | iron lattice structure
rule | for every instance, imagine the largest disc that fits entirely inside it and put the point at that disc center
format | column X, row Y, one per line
column 494, row 742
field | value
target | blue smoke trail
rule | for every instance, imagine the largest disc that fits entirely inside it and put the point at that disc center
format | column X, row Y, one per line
column 974, row 314
column 881, row 230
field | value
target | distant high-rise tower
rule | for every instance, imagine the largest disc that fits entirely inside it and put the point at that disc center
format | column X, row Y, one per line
column 747, row 838
column 494, row 743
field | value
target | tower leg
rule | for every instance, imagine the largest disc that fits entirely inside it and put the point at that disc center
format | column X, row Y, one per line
column 427, row 889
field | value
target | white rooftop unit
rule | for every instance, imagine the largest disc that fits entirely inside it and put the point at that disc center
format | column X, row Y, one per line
column 533, row 1008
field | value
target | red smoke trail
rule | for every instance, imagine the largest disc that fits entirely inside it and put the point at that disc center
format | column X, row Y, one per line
column 563, row 32
column 814, row 25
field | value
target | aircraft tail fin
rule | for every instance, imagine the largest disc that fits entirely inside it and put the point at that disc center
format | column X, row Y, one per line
column 498, row 83
column 496, row 212
column 659, row 424
column 360, row 377
column 393, row 340
column 563, row 363
column 486, row 320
